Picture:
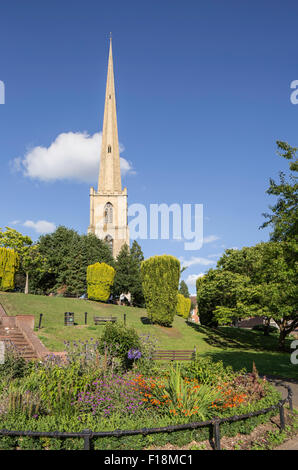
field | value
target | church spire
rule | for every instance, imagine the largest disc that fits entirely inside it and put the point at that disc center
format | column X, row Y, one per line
column 109, row 175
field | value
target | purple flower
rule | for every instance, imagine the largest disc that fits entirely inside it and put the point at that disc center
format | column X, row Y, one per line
column 134, row 354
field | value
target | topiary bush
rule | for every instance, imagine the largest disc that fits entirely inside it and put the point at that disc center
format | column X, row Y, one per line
column 9, row 262
column 183, row 306
column 160, row 281
column 100, row 279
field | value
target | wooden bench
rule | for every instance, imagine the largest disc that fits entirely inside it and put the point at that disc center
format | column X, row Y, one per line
column 174, row 355
column 99, row 320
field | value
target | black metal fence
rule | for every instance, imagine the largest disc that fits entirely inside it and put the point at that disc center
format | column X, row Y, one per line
column 214, row 423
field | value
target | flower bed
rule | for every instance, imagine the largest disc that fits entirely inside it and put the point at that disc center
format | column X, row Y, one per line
column 92, row 390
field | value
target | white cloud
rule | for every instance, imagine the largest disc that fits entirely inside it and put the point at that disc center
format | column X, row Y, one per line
column 215, row 255
column 71, row 156
column 210, row 239
column 41, row 226
column 196, row 260
column 14, row 222
column 192, row 279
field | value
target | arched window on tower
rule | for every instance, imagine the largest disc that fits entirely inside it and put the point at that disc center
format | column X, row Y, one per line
column 109, row 241
column 109, row 149
column 108, row 213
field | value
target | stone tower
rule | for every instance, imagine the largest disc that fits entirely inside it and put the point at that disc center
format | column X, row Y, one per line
column 108, row 205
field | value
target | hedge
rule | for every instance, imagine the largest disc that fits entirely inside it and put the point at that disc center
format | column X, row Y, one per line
column 183, row 306
column 100, row 278
column 9, row 262
column 160, row 281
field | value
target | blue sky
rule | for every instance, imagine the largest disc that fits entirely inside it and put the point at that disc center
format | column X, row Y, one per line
column 203, row 93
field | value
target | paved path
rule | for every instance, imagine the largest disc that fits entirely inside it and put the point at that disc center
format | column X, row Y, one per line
column 289, row 445
column 292, row 444
column 291, row 382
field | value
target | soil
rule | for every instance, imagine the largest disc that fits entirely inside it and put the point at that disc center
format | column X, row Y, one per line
column 172, row 332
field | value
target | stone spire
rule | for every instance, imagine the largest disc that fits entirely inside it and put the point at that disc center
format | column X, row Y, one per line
column 109, row 175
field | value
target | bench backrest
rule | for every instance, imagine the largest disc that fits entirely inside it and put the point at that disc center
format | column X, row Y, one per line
column 174, row 355
column 105, row 318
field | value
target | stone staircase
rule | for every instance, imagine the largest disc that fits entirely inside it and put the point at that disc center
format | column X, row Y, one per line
column 14, row 336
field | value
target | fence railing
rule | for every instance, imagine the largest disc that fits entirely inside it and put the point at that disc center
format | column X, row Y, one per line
column 214, row 423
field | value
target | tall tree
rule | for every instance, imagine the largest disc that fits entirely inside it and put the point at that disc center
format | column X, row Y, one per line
column 183, row 289
column 136, row 289
column 284, row 214
column 128, row 274
column 31, row 260
column 68, row 255
column 254, row 281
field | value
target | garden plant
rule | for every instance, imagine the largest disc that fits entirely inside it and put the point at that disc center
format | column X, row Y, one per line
column 112, row 383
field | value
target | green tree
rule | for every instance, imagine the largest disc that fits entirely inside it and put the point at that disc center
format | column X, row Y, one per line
column 128, row 276
column 160, row 281
column 68, row 255
column 31, row 260
column 136, row 289
column 255, row 281
column 11, row 238
column 284, row 214
column 183, row 289
column 124, row 277
column 219, row 288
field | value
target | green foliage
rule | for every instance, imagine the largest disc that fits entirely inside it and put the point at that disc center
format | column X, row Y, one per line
column 254, row 281
column 26, row 403
column 68, row 255
column 183, row 306
column 136, row 289
column 207, row 371
column 9, row 262
column 116, row 340
column 11, row 238
column 183, row 289
column 100, row 278
column 58, row 385
column 46, row 408
column 182, row 396
column 13, row 367
column 284, row 215
column 128, row 275
column 30, row 259
column 160, row 280
column 218, row 288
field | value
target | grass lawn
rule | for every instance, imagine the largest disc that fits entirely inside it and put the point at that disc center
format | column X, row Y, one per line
column 235, row 347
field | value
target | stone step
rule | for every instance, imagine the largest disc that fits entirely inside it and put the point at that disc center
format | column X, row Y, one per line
column 19, row 342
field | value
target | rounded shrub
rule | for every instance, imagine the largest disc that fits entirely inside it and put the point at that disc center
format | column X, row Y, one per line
column 9, row 262
column 183, row 306
column 100, row 279
column 117, row 340
column 160, row 281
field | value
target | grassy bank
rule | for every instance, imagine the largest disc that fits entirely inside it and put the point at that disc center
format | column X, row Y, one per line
column 236, row 347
